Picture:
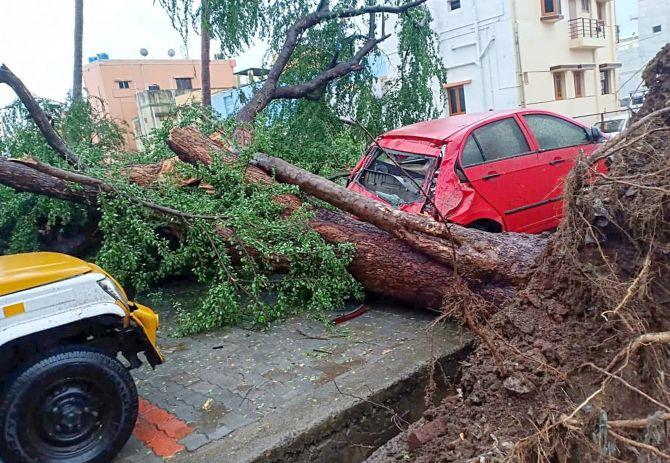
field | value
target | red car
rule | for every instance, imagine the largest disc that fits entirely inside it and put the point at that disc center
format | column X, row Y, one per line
column 496, row 171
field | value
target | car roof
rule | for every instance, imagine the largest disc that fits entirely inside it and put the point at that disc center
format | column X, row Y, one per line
column 442, row 129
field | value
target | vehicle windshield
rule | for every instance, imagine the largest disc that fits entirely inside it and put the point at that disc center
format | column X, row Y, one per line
column 395, row 176
column 612, row 126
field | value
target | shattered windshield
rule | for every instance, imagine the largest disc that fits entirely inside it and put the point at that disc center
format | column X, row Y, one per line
column 395, row 176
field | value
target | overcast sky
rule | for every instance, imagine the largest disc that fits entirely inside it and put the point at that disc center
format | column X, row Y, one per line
column 36, row 38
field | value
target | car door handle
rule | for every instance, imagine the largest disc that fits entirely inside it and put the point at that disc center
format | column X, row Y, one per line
column 556, row 161
column 490, row 175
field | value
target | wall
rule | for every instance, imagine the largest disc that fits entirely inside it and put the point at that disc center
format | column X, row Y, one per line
column 101, row 82
column 476, row 43
column 636, row 53
column 543, row 44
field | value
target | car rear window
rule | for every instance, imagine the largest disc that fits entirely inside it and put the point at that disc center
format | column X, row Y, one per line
column 554, row 133
column 397, row 177
column 494, row 141
column 472, row 155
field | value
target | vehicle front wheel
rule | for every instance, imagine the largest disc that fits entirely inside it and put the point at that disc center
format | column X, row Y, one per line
column 75, row 406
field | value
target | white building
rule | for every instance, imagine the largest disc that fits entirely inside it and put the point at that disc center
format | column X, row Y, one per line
column 552, row 54
column 635, row 52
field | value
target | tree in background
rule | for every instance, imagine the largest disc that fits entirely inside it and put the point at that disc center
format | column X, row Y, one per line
column 78, row 40
column 232, row 22
column 205, row 40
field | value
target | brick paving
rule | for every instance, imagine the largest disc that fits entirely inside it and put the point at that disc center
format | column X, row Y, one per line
column 214, row 384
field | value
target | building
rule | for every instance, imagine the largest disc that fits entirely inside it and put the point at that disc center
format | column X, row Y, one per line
column 553, row 54
column 140, row 93
column 636, row 51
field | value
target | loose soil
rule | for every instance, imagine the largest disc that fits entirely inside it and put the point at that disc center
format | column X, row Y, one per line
column 558, row 369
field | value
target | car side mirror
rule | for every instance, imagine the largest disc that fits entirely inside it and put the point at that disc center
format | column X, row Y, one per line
column 596, row 136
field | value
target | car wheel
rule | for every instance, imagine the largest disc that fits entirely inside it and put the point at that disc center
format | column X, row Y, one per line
column 75, row 406
column 486, row 225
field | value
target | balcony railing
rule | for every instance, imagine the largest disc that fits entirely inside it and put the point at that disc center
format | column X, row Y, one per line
column 587, row 27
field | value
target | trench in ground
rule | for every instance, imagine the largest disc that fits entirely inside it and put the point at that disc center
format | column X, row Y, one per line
column 354, row 434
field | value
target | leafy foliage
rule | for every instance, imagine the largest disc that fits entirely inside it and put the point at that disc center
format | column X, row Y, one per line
column 143, row 249
column 233, row 22
column 27, row 221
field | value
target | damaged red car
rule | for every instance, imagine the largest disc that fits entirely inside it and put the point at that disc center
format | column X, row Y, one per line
column 496, row 171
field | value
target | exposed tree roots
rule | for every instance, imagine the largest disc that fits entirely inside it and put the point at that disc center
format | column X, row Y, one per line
column 576, row 367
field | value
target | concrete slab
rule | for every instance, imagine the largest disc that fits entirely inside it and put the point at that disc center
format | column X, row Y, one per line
column 289, row 393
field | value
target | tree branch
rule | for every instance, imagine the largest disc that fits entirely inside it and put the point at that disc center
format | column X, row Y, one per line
column 43, row 123
column 335, row 72
column 323, row 13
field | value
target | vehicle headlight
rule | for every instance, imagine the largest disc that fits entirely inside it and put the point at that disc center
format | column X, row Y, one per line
column 113, row 290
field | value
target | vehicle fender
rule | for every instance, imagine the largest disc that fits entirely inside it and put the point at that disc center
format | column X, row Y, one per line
column 20, row 327
column 473, row 207
column 148, row 321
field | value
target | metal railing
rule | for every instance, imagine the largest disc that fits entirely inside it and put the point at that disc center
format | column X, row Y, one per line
column 587, row 27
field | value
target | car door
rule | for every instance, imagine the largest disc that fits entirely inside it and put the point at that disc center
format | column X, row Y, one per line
column 501, row 166
column 560, row 142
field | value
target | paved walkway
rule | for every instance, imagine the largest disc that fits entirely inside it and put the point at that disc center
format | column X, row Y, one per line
column 220, row 385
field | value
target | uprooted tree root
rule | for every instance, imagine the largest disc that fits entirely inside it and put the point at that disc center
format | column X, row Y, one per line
column 576, row 367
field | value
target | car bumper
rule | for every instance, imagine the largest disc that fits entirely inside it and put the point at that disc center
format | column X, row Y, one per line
column 148, row 321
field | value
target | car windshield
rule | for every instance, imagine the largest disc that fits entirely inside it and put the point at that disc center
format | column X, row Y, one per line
column 395, row 176
column 613, row 126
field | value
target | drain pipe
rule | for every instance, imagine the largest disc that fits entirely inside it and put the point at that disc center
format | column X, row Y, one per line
column 519, row 62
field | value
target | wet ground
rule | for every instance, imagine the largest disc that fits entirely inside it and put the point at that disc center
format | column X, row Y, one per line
column 237, row 394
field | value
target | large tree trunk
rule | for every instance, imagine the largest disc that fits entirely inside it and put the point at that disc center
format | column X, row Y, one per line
column 78, row 42
column 409, row 258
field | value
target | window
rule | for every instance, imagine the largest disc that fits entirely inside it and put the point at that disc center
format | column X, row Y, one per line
column 472, row 155
column 154, row 87
column 559, row 85
column 123, row 83
column 606, row 81
column 579, row 83
column 496, row 140
column 601, row 12
column 586, row 6
column 184, row 83
column 454, row 4
column 553, row 133
column 551, row 7
column 456, row 100
column 656, row 29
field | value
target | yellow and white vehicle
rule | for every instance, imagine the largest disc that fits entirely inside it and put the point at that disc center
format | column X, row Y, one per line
column 65, row 395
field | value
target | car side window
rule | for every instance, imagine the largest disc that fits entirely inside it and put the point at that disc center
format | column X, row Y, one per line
column 501, row 139
column 472, row 155
column 554, row 133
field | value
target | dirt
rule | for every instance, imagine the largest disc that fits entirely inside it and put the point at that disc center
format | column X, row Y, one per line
column 546, row 382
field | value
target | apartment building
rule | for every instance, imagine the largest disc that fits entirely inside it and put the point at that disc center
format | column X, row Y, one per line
column 635, row 52
column 558, row 55
column 140, row 93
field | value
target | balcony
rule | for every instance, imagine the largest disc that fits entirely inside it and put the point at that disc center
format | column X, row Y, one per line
column 587, row 33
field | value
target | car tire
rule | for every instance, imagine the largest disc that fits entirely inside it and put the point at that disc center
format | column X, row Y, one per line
column 74, row 405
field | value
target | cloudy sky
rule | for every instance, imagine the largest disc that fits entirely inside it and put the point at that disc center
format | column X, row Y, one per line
column 36, row 38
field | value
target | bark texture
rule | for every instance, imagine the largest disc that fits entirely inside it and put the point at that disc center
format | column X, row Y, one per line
column 204, row 54
column 78, row 43
column 409, row 258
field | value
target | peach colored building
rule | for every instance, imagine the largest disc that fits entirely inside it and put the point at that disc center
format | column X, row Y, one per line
column 116, row 86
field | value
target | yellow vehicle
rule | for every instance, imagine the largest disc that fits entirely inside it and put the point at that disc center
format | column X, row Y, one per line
column 65, row 393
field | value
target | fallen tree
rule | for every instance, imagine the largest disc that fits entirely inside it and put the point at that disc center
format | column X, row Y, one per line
column 577, row 308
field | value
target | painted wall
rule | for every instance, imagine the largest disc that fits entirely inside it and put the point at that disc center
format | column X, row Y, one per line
column 101, row 82
column 635, row 53
column 543, row 44
column 478, row 43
